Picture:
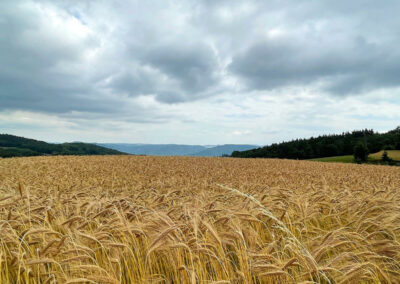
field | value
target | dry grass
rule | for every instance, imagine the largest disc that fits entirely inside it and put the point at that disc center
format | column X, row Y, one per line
column 197, row 220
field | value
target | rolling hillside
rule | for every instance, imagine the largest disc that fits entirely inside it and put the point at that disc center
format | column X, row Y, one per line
column 15, row 146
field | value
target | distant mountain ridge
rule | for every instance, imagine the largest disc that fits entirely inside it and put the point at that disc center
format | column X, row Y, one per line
column 154, row 149
column 178, row 149
column 15, row 146
column 221, row 150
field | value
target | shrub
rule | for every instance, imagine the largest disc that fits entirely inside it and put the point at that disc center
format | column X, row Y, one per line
column 360, row 152
column 385, row 157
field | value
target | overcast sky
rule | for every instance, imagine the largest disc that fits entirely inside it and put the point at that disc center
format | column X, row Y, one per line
column 197, row 72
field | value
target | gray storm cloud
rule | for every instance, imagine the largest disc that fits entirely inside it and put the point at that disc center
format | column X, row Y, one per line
column 173, row 73
column 352, row 68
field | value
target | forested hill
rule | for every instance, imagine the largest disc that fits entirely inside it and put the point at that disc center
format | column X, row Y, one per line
column 15, row 146
column 326, row 146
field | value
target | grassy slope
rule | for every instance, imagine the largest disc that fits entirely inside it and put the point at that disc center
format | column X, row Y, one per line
column 337, row 159
column 394, row 154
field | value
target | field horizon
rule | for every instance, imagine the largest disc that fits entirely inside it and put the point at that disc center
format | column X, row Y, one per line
column 141, row 219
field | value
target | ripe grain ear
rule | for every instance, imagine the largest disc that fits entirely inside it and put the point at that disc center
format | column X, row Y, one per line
column 20, row 188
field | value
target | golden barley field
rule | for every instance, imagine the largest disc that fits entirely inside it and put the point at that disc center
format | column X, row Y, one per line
column 135, row 219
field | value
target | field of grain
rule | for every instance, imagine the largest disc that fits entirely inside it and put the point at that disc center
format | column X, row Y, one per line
column 127, row 219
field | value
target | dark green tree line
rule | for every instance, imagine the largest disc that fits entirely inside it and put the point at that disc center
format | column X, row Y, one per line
column 326, row 145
